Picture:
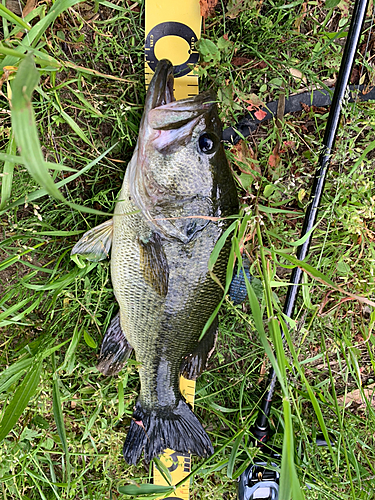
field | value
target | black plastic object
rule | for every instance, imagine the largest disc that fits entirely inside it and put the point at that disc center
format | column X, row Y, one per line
column 318, row 97
column 237, row 289
column 259, row 482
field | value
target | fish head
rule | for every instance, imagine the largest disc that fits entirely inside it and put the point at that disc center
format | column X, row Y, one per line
column 179, row 161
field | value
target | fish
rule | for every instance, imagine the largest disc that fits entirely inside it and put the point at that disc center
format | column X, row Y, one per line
column 176, row 202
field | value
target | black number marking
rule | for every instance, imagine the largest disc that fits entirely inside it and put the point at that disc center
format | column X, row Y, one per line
column 171, row 28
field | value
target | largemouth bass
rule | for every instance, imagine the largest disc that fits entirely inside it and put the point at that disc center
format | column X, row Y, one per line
column 171, row 211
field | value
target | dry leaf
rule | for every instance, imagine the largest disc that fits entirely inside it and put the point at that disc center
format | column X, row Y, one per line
column 14, row 6
column 260, row 114
column 274, row 160
column 297, row 75
column 240, row 61
column 207, row 7
column 356, row 396
column 344, row 7
column 30, row 6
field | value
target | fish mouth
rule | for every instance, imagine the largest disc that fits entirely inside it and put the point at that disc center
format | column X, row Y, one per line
column 163, row 112
column 160, row 90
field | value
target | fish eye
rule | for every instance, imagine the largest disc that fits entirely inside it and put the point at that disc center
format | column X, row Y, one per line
column 208, row 143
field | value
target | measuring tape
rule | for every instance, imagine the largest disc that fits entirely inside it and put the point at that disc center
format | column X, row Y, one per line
column 172, row 29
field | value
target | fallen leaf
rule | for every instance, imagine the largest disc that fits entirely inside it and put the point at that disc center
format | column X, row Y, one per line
column 260, row 114
column 273, row 160
column 297, row 75
column 254, row 100
column 240, row 60
column 305, row 107
column 356, row 396
column 30, row 6
column 261, row 65
column 207, row 7
column 301, row 195
column 14, row 6
column 263, row 369
column 344, row 7
column 289, row 144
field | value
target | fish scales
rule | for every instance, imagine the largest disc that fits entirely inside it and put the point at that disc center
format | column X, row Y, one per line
column 173, row 207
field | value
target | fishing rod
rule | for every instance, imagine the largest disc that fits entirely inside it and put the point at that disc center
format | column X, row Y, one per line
column 257, row 481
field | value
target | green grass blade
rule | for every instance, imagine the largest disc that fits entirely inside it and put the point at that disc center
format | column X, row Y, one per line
column 15, row 370
column 141, row 489
column 13, row 18
column 289, row 482
column 21, row 315
column 7, row 157
column 313, row 399
column 24, row 126
column 322, row 278
column 7, row 175
column 258, row 320
column 72, row 348
column 163, row 469
column 25, row 131
column 219, row 245
column 38, row 29
column 121, row 399
column 42, row 192
column 72, row 124
column 233, row 455
column 21, row 398
column 59, row 420
column 15, row 258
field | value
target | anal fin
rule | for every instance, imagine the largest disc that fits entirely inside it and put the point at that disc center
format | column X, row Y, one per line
column 115, row 349
column 194, row 364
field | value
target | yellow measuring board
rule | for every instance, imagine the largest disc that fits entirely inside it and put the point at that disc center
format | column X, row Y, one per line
column 172, row 29
column 178, row 464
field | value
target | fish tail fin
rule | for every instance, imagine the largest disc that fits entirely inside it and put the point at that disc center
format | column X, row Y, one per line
column 115, row 349
column 156, row 430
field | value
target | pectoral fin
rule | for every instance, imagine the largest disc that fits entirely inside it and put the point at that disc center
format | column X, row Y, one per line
column 96, row 243
column 154, row 264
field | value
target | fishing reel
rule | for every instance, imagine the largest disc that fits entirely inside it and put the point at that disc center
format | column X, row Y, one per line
column 258, row 482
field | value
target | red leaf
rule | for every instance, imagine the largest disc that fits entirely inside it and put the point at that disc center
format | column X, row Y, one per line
column 260, row 114
column 289, row 144
column 273, row 160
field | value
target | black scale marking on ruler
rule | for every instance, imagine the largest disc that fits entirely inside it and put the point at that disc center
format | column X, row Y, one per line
column 172, row 28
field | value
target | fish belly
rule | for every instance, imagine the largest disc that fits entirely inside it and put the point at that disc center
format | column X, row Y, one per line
column 162, row 323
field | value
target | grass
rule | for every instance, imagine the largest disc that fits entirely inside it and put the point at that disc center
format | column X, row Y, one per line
column 63, row 424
